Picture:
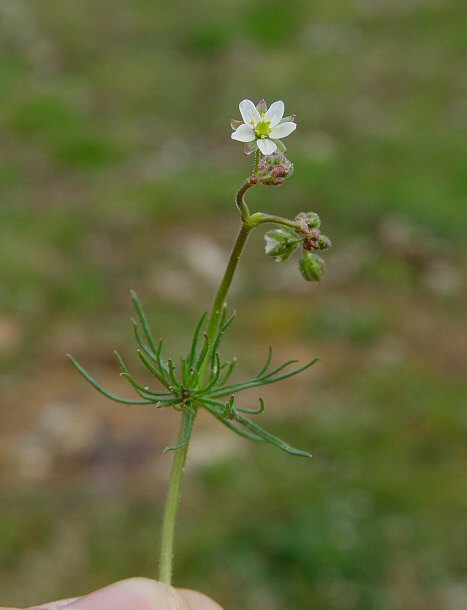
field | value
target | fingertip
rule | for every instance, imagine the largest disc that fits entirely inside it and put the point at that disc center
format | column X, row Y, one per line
column 141, row 593
column 198, row 601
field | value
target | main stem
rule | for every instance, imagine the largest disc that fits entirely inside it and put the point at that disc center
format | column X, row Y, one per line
column 170, row 514
column 178, row 466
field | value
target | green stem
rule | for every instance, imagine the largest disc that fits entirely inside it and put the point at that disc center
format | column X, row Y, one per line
column 257, row 158
column 259, row 218
column 176, row 476
column 223, row 289
column 171, row 508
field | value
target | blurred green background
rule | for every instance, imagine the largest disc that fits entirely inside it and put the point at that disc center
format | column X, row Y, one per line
column 118, row 172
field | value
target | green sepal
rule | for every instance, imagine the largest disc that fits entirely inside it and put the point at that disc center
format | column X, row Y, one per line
column 261, row 106
column 281, row 147
column 281, row 243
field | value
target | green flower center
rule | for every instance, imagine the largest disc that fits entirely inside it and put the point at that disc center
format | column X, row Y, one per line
column 263, row 128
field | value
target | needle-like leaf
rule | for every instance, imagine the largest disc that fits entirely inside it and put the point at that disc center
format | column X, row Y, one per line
column 266, row 364
column 172, row 374
column 102, row 390
column 152, row 369
column 141, row 390
column 219, row 335
column 194, row 344
column 231, row 426
column 265, row 380
column 203, row 353
column 142, row 318
column 271, row 438
column 229, row 367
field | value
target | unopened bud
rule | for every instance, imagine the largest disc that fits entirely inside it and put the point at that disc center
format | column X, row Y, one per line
column 273, row 170
column 324, row 243
column 311, row 266
column 309, row 219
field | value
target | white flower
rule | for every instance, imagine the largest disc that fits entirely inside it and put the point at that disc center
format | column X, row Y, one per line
column 262, row 128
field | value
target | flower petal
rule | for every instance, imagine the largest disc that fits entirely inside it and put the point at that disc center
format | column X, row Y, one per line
column 244, row 133
column 275, row 113
column 282, row 130
column 249, row 112
column 267, row 147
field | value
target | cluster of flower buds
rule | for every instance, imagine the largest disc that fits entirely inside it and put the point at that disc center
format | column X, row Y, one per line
column 282, row 242
column 272, row 170
column 310, row 228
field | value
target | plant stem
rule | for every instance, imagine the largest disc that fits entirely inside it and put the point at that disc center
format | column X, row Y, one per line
column 224, row 286
column 260, row 218
column 176, row 476
column 257, row 158
column 171, row 508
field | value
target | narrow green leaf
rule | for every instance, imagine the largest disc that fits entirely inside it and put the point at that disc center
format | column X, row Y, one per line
column 152, row 369
column 234, row 388
column 142, row 391
column 140, row 342
column 229, row 367
column 257, row 411
column 279, row 369
column 271, row 438
column 243, row 433
column 214, row 376
column 154, row 356
column 266, row 364
column 99, row 388
column 219, row 335
column 172, row 374
column 203, row 353
column 185, row 371
column 142, row 317
column 194, row 344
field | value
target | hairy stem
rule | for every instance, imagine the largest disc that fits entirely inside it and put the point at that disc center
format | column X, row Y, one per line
column 257, row 158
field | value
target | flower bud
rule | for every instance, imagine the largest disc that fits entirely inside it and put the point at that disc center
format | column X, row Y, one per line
column 311, row 266
column 310, row 220
column 280, row 244
column 324, row 243
column 273, row 170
